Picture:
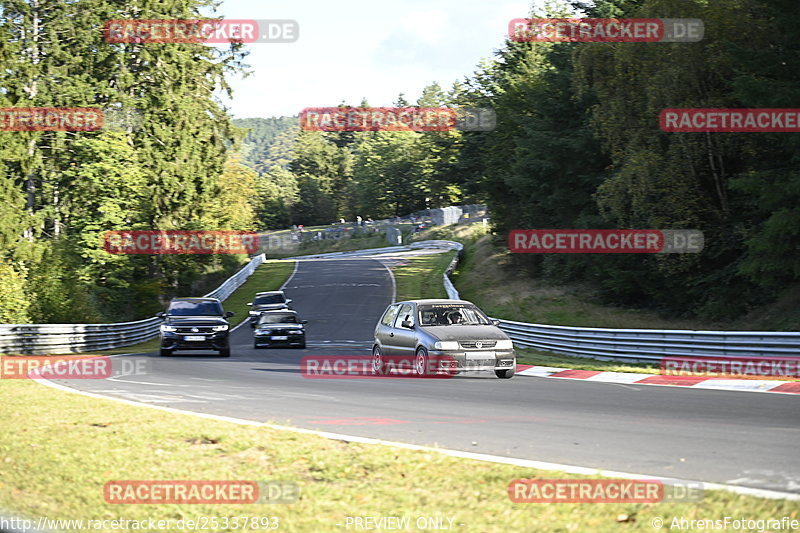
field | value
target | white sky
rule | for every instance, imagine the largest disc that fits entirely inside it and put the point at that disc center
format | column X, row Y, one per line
column 349, row 49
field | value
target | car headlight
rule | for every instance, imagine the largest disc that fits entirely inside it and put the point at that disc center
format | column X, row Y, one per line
column 504, row 344
column 223, row 327
column 296, row 332
column 253, row 313
column 446, row 345
column 165, row 327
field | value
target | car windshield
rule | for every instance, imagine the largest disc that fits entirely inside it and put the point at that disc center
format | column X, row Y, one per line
column 269, row 299
column 185, row 308
column 449, row 315
column 278, row 318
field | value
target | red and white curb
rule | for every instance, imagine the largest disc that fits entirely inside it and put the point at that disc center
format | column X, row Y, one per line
column 629, row 378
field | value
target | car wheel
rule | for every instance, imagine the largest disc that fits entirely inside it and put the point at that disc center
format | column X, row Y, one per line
column 421, row 362
column 165, row 353
column 378, row 364
column 225, row 352
column 504, row 374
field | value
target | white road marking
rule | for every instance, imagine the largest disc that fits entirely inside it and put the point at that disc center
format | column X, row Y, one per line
column 146, row 383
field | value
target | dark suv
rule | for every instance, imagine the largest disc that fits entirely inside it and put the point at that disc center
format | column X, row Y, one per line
column 195, row 324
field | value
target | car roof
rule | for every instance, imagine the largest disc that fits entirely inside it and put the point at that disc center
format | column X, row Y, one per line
column 268, row 292
column 195, row 300
column 281, row 311
column 434, row 301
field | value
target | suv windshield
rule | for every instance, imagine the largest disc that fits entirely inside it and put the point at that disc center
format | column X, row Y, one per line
column 282, row 318
column 448, row 315
column 186, row 308
column 269, row 299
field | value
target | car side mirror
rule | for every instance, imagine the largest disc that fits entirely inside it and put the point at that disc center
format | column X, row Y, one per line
column 288, row 300
column 249, row 303
column 160, row 314
column 407, row 324
column 229, row 314
column 495, row 322
column 304, row 321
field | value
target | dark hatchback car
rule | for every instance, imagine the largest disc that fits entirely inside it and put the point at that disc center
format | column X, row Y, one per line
column 195, row 324
column 267, row 301
column 280, row 328
column 441, row 336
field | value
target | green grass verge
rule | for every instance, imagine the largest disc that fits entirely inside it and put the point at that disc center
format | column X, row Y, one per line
column 529, row 356
column 268, row 276
column 421, row 277
column 101, row 440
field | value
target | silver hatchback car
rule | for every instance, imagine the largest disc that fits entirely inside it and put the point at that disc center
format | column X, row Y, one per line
column 441, row 336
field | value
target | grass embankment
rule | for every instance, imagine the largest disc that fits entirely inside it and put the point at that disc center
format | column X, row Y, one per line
column 421, row 277
column 100, row 441
column 268, row 276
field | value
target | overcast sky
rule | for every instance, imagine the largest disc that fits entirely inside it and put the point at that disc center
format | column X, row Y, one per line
column 349, row 49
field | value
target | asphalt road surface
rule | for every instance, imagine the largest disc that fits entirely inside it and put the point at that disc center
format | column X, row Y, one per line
column 739, row 438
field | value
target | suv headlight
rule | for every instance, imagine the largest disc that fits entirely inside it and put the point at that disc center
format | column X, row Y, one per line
column 223, row 327
column 165, row 327
column 504, row 344
column 295, row 332
column 446, row 345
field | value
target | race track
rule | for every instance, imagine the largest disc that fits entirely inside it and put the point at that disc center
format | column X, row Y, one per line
column 718, row 436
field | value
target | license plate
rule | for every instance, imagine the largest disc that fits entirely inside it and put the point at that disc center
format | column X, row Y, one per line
column 194, row 338
column 480, row 355
column 279, row 338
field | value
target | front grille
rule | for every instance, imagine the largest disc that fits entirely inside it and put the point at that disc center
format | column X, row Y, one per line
column 200, row 329
column 473, row 345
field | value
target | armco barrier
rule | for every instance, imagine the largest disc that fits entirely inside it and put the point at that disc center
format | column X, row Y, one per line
column 37, row 339
column 651, row 344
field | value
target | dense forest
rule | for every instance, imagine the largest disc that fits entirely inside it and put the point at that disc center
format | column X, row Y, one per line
column 577, row 145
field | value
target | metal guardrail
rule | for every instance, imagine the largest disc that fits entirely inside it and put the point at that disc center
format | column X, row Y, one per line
column 37, row 339
column 651, row 344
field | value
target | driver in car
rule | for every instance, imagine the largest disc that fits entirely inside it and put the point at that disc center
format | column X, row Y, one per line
column 455, row 318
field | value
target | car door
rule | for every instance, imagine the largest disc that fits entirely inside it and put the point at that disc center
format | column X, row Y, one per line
column 405, row 339
column 384, row 330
